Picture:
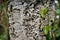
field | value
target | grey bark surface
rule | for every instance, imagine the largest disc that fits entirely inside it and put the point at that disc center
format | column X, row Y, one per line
column 26, row 22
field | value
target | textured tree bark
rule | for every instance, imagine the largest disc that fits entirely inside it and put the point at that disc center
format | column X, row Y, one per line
column 26, row 22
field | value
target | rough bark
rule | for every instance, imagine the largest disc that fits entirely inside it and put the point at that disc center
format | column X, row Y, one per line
column 25, row 20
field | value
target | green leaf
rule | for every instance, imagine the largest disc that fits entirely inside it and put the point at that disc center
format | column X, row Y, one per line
column 57, row 33
column 55, row 27
column 46, row 29
column 57, row 11
column 43, row 11
column 3, row 37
